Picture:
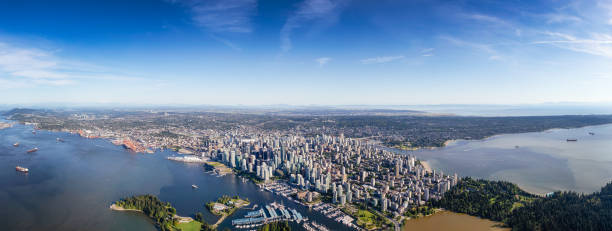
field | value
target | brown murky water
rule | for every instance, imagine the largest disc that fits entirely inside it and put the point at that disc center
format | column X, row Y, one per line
column 452, row 221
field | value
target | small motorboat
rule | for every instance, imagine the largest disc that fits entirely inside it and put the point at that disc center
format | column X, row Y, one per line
column 16, row 144
column 193, row 186
column 22, row 169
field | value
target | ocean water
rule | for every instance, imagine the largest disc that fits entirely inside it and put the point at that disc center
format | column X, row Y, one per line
column 538, row 162
column 71, row 185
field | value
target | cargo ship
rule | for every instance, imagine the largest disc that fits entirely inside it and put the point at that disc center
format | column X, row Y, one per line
column 16, row 144
column 21, row 169
column 33, row 150
column 572, row 140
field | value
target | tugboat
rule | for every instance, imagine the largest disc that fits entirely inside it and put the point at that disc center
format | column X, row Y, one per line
column 16, row 144
column 32, row 150
column 22, row 169
column 193, row 186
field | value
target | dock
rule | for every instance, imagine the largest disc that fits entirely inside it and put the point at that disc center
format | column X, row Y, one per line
column 269, row 213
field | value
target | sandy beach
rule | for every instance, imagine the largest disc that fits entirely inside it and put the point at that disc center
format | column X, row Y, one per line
column 449, row 142
column 183, row 219
column 425, row 165
column 119, row 208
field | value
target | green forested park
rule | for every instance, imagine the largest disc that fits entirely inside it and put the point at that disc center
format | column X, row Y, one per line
column 493, row 200
column 506, row 202
column 566, row 211
column 162, row 213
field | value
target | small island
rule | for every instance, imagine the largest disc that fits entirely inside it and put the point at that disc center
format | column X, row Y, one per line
column 226, row 206
column 162, row 213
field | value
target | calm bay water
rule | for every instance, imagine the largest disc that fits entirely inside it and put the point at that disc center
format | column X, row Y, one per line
column 71, row 185
column 543, row 161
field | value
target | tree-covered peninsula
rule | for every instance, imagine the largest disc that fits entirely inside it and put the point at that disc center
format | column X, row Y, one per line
column 506, row 202
column 162, row 213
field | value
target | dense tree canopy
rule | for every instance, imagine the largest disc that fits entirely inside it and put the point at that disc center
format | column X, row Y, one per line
column 276, row 226
column 161, row 212
column 566, row 211
column 503, row 201
column 493, row 200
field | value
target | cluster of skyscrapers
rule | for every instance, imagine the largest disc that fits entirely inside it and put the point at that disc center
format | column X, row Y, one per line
column 347, row 170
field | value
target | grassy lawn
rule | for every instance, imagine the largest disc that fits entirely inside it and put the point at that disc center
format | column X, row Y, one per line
column 366, row 219
column 215, row 164
column 220, row 167
column 189, row 226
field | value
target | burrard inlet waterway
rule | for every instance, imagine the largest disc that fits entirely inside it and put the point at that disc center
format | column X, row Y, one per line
column 539, row 162
column 71, row 184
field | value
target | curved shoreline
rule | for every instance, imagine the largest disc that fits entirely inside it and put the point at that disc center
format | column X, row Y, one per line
column 116, row 207
column 4, row 125
column 450, row 142
column 426, row 165
column 181, row 219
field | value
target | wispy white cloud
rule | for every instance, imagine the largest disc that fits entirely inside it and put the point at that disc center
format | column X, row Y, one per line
column 606, row 6
column 323, row 60
column 486, row 18
column 596, row 44
column 427, row 52
column 493, row 24
column 562, row 18
column 309, row 10
column 495, row 57
column 222, row 15
column 25, row 66
column 383, row 59
column 479, row 46
column 605, row 76
column 226, row 43
column 19, row 65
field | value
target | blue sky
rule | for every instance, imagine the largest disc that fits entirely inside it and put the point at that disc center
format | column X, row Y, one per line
column 324, row 52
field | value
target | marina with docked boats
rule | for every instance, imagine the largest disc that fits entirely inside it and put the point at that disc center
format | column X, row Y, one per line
column 269, row 213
